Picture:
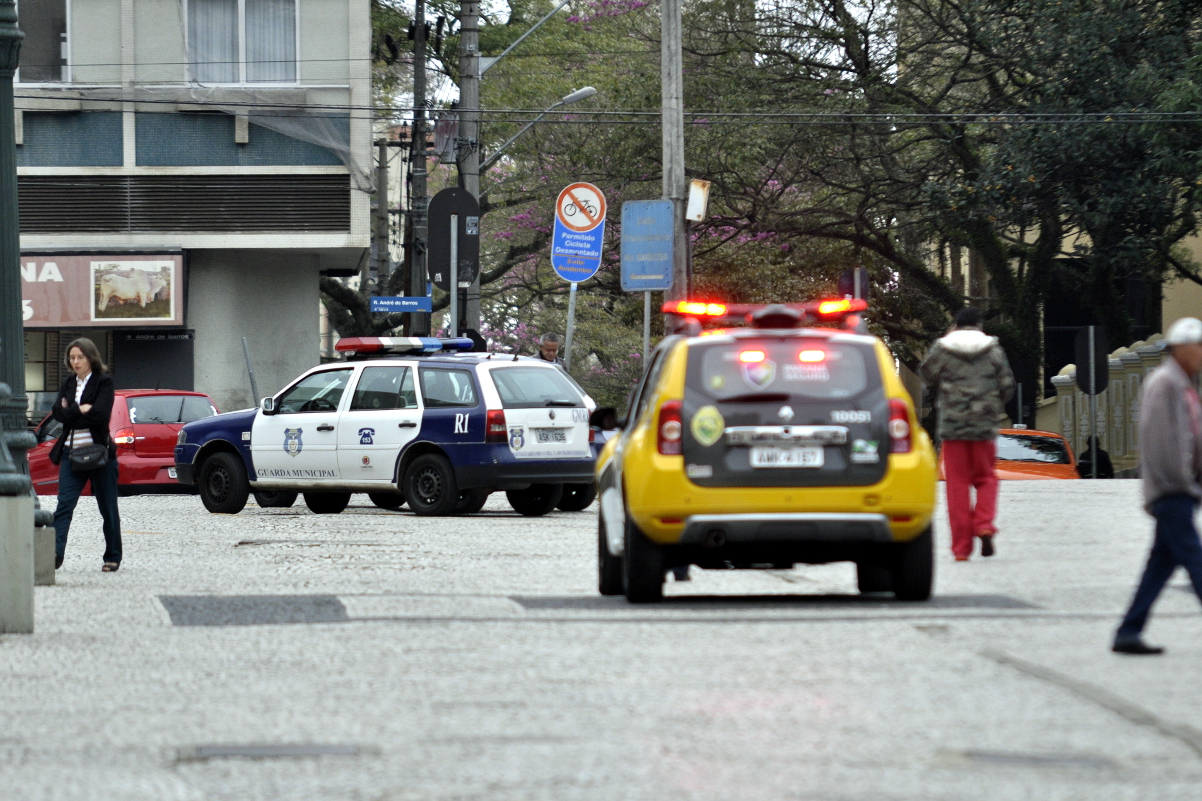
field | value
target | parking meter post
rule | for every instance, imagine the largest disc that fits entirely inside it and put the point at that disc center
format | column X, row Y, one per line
column 453, row 295
column 567, row 345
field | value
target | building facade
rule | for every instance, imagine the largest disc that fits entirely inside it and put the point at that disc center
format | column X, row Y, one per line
column 186, row 171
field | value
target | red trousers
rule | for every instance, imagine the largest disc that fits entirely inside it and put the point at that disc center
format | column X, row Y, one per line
column 970, row 463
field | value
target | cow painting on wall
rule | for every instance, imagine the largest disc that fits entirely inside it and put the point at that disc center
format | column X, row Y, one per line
column 132, row 290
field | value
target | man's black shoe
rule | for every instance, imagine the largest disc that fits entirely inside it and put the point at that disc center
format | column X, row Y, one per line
column 1136, row 647
column 58, row 562
column 986, row 545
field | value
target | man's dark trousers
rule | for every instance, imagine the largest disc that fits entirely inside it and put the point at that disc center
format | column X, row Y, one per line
column 104, row 487
column 1176, row 543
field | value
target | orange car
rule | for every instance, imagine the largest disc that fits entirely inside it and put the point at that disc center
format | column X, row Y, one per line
column 1024, row 455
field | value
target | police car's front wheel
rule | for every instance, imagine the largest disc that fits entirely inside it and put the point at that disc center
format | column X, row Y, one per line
column 430, row 486
column 223, row 484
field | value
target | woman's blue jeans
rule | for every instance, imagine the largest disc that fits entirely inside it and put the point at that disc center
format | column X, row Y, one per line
column 104, row 487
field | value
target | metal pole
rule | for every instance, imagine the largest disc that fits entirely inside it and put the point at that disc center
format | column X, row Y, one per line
column 567, row 345
column 250, row 368
column 1019, row 406
column 468, row 147
column 1093, row 403
column 453, row 302
column 672, row 102
column 646, row 327
column 518, row 41
column 420, row 321
column 383, row 258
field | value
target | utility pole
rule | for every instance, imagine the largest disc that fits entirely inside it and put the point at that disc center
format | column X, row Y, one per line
column 419, row 324
column 675, row 185
column 383, row 258
column 467, row 148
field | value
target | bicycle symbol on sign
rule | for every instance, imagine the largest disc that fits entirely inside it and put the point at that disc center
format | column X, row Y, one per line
column 570, row 209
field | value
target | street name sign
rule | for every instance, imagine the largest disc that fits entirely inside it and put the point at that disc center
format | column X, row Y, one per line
column 647, row 245
column 579, row 232
column 401, row 304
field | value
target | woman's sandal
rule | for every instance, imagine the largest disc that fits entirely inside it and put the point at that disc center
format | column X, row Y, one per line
column 110, row 567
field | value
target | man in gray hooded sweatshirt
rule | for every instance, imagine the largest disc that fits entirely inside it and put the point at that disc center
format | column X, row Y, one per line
column 969, row 371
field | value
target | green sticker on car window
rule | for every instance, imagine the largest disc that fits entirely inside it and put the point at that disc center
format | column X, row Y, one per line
column 708, row 425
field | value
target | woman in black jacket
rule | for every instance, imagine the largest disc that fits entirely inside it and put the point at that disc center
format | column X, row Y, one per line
column 84, row 405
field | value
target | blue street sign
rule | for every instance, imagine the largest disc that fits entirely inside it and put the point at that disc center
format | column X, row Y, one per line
column 579, row 232
column 386, row 304
column 647, row 245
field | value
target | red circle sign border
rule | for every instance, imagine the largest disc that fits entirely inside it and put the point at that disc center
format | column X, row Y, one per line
column 567, row 191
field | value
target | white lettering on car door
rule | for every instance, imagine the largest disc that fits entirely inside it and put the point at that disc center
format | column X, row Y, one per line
column 461, row 424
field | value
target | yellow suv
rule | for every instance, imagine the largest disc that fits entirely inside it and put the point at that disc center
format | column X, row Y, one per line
column 765, row 446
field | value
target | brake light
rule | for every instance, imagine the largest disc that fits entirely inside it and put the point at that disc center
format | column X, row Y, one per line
column 495, row 429
column 695, row 309
column 670, row 429
column 592, row 435
column 899, row 426
column 751, row 356
column 828, row 307
column 124, row 438
column 811, row 356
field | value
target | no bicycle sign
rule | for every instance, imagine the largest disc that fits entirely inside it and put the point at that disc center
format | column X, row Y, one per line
column 578, row 233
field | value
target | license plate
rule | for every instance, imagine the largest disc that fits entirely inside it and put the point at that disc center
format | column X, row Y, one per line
column 550, row 435
column 809, row 456
column 171, row 472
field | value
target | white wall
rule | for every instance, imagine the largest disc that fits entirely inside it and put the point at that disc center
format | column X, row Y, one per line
column 269, row 297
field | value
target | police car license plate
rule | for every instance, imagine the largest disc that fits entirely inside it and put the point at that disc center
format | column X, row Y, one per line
column 767, row 456
column 550, row 435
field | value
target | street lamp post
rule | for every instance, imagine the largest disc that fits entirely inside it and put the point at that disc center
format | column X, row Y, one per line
column 566, row 100
column 16, row 505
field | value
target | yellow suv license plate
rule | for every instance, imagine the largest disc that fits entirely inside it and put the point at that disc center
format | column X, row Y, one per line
column 767, row 456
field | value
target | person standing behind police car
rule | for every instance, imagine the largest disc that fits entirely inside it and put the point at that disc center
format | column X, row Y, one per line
column 1170, row 468
column 84, row 406
column 972, row 378
column 548, row 348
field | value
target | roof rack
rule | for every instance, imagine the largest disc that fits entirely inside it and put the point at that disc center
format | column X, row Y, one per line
column 410, row 346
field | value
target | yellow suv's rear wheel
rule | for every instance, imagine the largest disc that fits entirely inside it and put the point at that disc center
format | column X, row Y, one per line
column 642, row 567
column 914, row 567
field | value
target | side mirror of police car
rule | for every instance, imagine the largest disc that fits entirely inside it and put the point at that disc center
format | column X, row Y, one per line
column 268, row 405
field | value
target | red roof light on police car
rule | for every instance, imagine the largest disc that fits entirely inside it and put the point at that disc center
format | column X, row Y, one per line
column 843, row 306
column 810, row 356
column 695, row 309
column 751, row 356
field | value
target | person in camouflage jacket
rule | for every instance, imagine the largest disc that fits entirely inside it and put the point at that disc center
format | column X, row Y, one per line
column 972, row 381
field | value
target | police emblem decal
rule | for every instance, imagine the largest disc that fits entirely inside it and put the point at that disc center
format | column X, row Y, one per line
column 292, row 441
column 365, row 435
column 707, row 425
column 517, row 437
column 760, row 374
column 366, row 462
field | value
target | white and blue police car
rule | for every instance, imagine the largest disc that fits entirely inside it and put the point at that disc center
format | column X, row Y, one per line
column 406, row 420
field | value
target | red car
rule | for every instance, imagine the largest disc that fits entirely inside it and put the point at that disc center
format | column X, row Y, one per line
column 144, row 425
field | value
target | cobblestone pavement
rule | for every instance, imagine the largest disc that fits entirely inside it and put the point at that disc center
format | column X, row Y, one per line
column 376, row 655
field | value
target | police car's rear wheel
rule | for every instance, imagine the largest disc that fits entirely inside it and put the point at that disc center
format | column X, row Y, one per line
column 609, row 567
column 914, row 568
column 642, row 567
column 430, row 486
column 278, row 499
column 223, row 484
column 387, row 500
column 577, row 497
column 536, row 500
column 471, row 501
column 327, row 503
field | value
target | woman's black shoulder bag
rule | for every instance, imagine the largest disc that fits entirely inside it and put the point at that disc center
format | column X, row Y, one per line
column 87, row 458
